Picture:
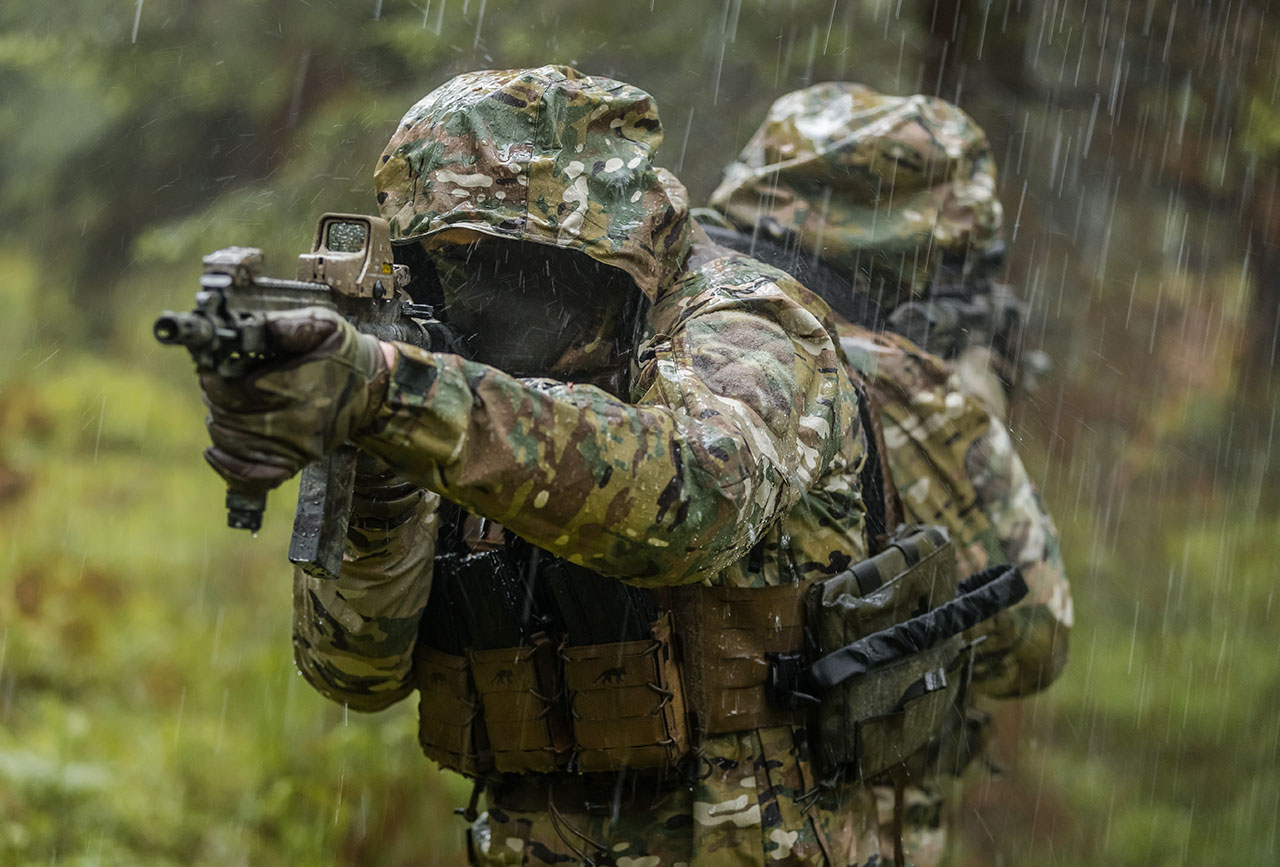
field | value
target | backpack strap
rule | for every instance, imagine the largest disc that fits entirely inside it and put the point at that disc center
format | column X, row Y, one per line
column 884, row 507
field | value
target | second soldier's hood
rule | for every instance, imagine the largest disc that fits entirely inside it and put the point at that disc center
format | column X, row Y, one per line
column 547, row 155
column 866, row 180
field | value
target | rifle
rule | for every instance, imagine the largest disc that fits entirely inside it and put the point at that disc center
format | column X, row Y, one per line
column 350, row 269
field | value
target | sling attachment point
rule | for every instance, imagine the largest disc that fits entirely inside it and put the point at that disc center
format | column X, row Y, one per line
column 471, row 812
column 792, row 685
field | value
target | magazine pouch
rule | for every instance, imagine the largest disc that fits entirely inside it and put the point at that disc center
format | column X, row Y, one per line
column 627, row 703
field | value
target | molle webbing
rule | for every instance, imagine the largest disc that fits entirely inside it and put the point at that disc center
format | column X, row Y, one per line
column 554, row 698
column 725, row 633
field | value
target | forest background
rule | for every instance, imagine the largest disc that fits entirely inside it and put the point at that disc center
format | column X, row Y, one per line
column 149, row 708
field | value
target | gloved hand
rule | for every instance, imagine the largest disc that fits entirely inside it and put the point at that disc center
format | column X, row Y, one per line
column 267, row 426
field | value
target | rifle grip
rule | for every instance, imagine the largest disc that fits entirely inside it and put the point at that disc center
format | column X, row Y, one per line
column 324, row 510
column 244, row 511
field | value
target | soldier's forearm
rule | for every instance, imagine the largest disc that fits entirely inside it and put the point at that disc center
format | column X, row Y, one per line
column 637, row 492
column 354, row 635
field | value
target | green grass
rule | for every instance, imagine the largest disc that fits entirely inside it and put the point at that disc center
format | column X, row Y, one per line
column 150, row 712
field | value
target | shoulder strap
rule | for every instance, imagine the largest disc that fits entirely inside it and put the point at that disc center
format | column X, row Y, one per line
column 884, row 508
column 840, row 292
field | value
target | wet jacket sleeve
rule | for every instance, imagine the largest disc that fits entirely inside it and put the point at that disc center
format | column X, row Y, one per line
column 1025, row 648
column 353, row 636
column 738, row 409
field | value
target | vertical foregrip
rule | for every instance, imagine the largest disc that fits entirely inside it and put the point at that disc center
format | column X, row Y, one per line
column 324, row 509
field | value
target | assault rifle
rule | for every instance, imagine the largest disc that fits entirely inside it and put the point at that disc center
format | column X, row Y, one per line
column 350, row 269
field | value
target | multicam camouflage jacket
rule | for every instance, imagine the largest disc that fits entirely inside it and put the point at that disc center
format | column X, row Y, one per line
column 740, row 434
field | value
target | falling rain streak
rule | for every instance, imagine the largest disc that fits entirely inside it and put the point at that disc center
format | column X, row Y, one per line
column 149, row 708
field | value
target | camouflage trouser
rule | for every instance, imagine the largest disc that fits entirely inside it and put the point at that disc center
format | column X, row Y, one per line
column 662, row 837
column 754, row 805
column 502, row 837
column 924, row 833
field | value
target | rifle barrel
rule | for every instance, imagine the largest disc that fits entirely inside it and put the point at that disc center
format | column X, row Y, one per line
column 182, row 329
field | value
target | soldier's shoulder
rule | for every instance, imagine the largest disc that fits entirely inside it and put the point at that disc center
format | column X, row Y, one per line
column 716, row 277
column 883, row 355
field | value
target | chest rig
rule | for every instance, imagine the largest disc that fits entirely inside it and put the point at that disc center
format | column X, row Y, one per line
column 529, row 664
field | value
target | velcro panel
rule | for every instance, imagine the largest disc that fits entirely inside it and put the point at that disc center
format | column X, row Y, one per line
column 448, row 710
column 886, row 741
column 874, row 721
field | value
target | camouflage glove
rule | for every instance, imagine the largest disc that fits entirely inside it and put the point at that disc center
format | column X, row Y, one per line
column 270, row 424
column 381, row 502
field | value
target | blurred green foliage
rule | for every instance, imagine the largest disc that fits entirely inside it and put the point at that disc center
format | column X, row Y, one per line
column 149, row 709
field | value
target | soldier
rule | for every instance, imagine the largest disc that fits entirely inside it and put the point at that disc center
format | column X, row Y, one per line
column 871, row 201
column 897, row 196
column 953, row 463
column 640, row 404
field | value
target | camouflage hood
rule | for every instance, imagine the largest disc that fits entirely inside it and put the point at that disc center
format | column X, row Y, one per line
column 547, row 155
column 867, row 179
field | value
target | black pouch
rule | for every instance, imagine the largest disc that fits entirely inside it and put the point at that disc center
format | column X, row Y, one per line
column 867, row 724
column 884, row 664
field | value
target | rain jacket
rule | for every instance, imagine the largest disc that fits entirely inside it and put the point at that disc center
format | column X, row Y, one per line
column 880, row 189
column 740, row 434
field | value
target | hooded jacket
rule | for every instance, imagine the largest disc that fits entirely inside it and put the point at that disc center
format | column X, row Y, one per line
column 740, row 435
